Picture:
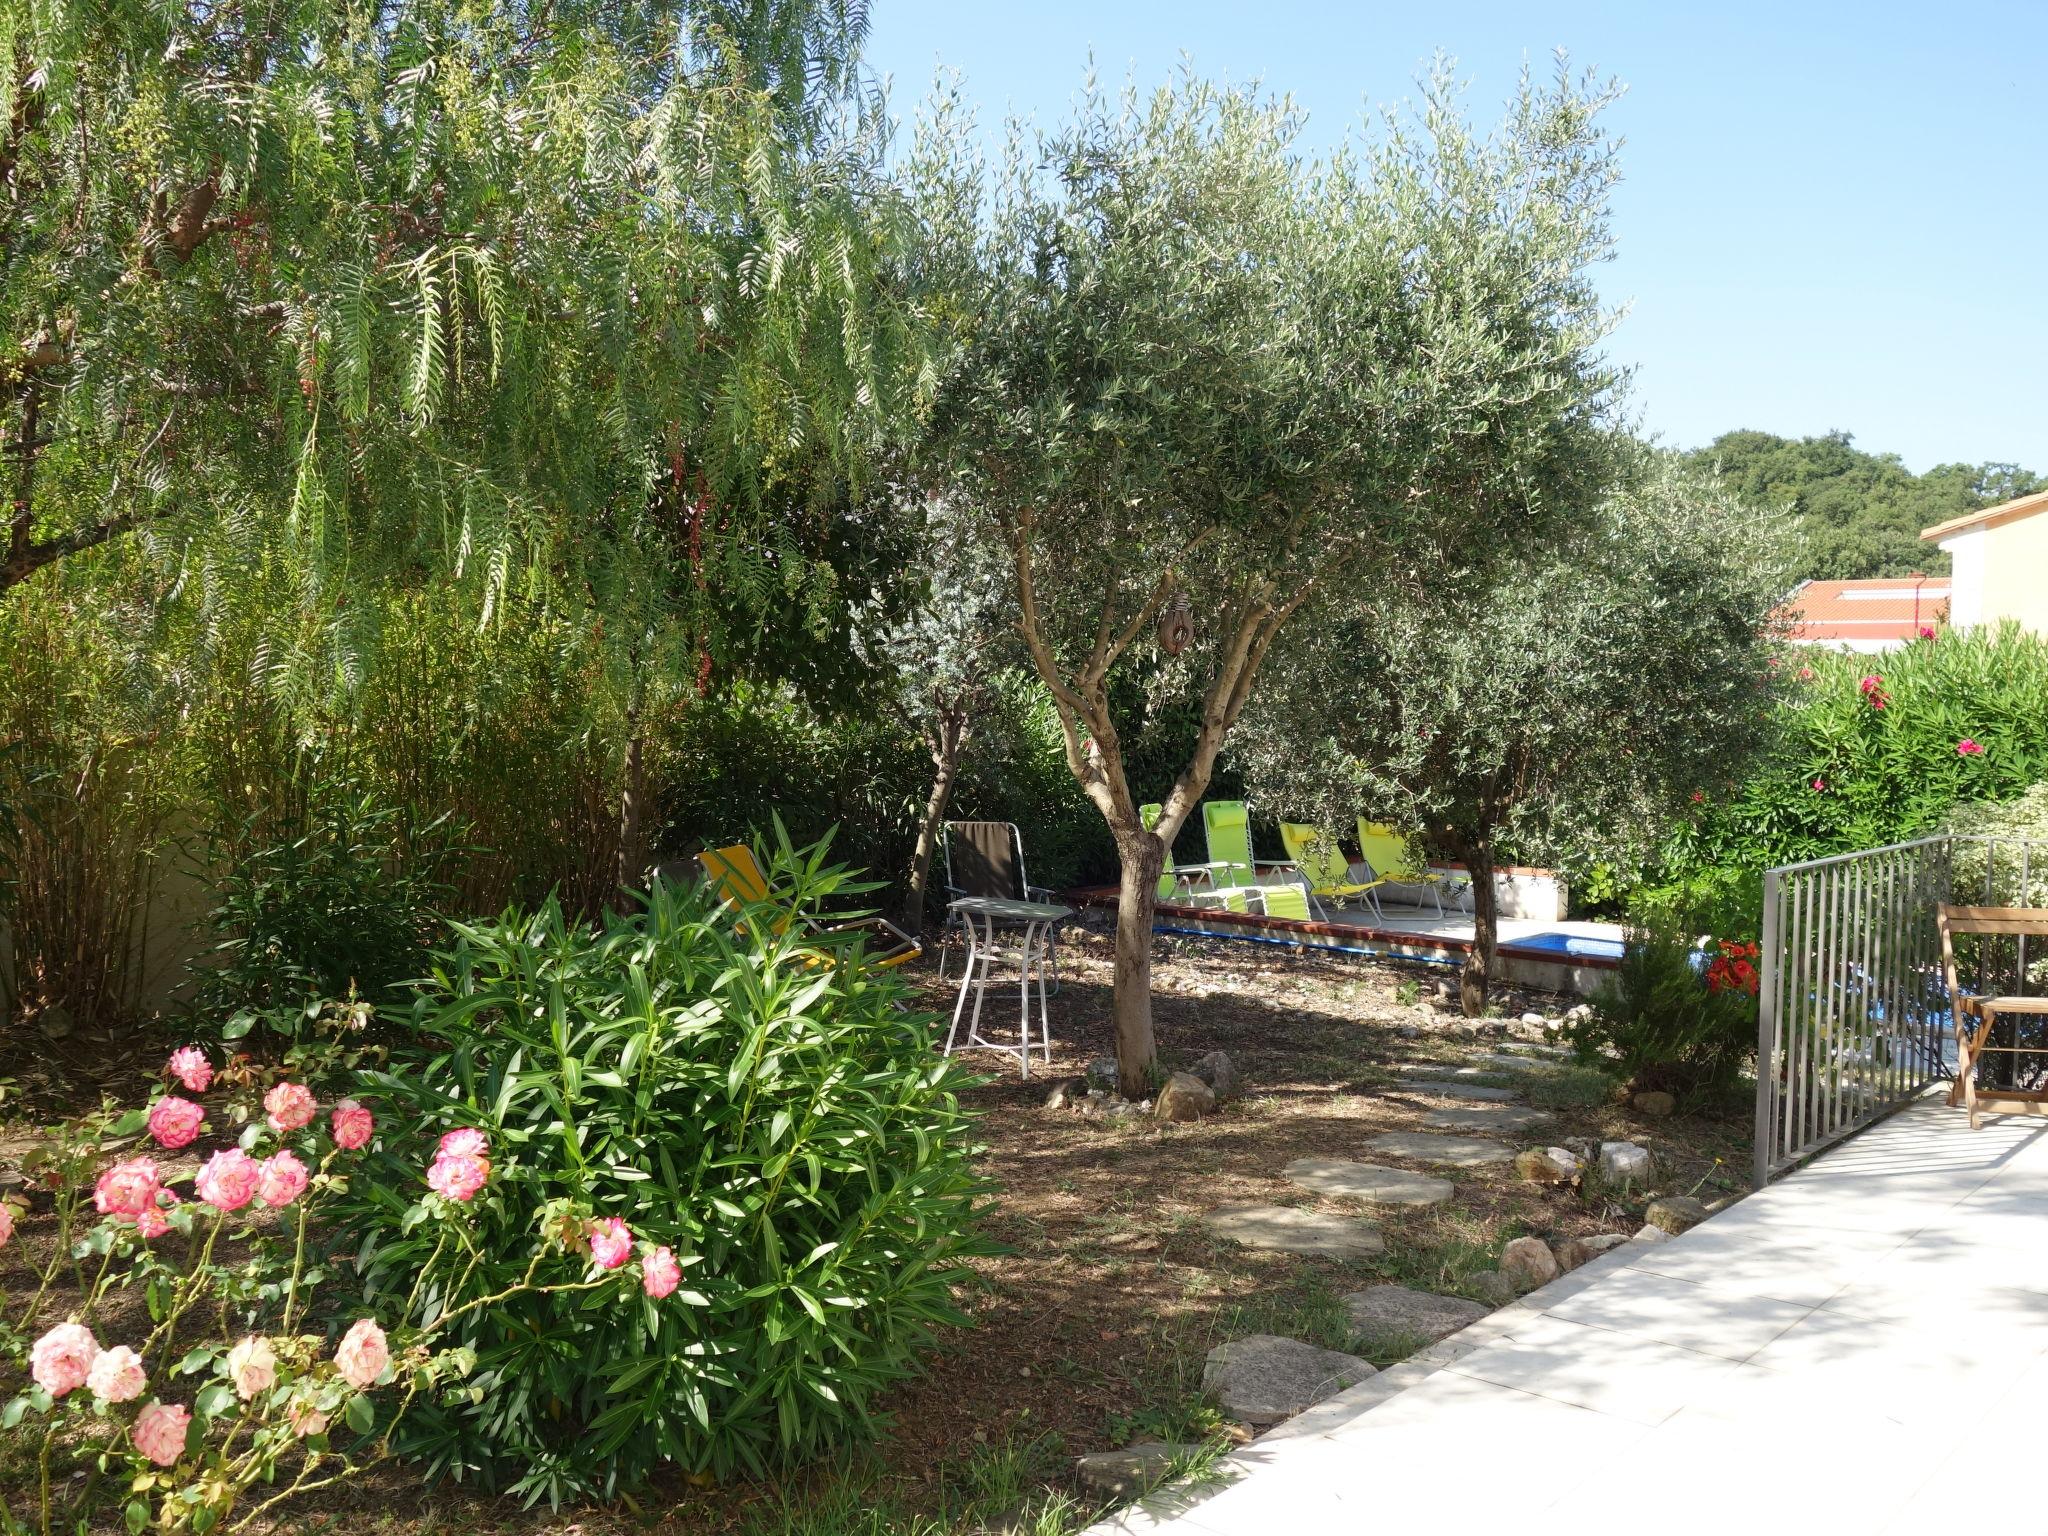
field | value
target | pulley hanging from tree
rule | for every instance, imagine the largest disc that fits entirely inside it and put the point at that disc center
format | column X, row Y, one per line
column 1176, row 626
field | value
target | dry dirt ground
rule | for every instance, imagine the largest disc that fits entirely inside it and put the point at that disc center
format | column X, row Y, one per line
column 1090, row 1330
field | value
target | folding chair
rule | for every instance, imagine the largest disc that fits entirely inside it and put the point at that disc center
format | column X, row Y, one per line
column 1388, row 856
column 736, row 875
column 986, row 858
column 1324, row 870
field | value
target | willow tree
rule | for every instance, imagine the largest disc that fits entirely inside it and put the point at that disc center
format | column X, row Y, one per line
column 1570, row 705
column 1198, row 368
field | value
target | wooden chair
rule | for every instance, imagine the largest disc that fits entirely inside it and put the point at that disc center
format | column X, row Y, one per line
column 738, row 878
column 1972, row 1043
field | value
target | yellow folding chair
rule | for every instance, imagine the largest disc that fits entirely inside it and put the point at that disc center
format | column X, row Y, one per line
column 1323, row 867
column 1386, row 854
column 736, row 875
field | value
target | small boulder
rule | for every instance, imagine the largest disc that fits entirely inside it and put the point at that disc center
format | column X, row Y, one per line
column 1264, row 1379
column 1063, row 1095
column 1580, row 1250
column 1657, row 1106
column 1220, row 1073
column 1535, row 1020
column 1408, row 1031
column 1185, row 1097
column 1496, row 1287
column 1101, row 1073
column 1396, row 1312
column 1675, row 1213
column 1547, row 1165
column 1648, row 1234
column 1131, row 1471
column 1623, row 1162
column 1528, row 1262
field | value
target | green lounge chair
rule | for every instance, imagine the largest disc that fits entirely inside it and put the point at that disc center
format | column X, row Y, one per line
column 1227, row 824
column 1386, row 853
column 1322, row 866
column 1284, row 901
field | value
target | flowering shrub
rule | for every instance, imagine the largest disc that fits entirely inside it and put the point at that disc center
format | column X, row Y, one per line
column 1732, row 967
column 228, row 1385
column 746, row 1111
column 1675, row 1016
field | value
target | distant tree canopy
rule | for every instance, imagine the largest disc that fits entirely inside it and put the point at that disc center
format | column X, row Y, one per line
column 1859, row 514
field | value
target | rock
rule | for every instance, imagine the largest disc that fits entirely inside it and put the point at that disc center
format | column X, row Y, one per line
column 1131, row 1471
column 1185, row 1097
column 1483, row 1117
column 1547, row 1165
column 1623, row 1162
column 1675, row 1213
column 1656, row 1105
column 1496, row 1287
column 1651, row 1235
column 1064, row 1095
column 1394, row 1312
column 1408, row 1031
column 1535, row 1020
column 1578, row 1012
column 1581, row 1250
column 1528, row 1262
column 1284, row 1229
column 1101, row 1073
column 1455, row 1151
column 1104, row 1106
column 1220, row 1073
column 1367, row 1181
column 1264, row 1379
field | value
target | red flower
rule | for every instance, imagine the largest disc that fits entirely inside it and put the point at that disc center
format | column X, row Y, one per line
column 1969, row 746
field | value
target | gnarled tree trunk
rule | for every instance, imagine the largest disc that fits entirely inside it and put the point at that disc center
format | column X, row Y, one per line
column 1140, row 857
column 947, row 743
column 1478, row 967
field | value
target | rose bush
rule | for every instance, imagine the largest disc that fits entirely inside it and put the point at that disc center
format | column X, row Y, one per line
column 209, row 1426
column 736, row 1100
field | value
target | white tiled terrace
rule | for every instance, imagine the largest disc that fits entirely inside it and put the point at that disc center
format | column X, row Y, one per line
column 1861, row 1347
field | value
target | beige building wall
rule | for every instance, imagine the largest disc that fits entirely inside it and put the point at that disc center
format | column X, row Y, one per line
column 2015, row 573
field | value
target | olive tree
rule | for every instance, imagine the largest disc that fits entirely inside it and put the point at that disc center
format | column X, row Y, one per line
column 1568, row 706
column 1194, row 366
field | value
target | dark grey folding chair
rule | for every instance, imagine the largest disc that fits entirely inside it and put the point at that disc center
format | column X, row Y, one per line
column 986, row 858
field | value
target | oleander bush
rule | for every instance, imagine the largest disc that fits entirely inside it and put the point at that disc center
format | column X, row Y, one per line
column 1679, row 1015
column 733, row 1086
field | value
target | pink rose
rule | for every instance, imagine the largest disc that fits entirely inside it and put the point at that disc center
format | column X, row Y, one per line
column 660, row 1274
column 305, row 1419
column 284, row 1179
column 127, row 1189
column 229, row 1180
column 352, row 1125
column 1969, row 746
column 151, row 1223
column 62, row 1358
column 252, row 1366
column 362, row 1354
column 458, row 1177
column 175, row 1122
column 117, row 1375
column 611, row 1242
column 159, row 1432
column 289, row 1106
column 6, row 1223
column 467, row 1142
column 188, row 1064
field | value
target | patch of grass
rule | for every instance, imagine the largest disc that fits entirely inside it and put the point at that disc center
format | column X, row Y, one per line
column 1313, row 1313
column 1408, row 993
column 1185, row 1420
column 1385, row 1349
column 1447, row 1265
column 1565, row 1086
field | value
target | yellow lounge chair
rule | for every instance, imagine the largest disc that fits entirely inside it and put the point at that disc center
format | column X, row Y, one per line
column 1175, row 884
column 1386, row 853
column 737, row 876
column 1323, row 867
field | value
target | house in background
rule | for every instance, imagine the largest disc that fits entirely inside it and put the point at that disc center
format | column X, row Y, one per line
column 1879, row 615
column 2000, row 560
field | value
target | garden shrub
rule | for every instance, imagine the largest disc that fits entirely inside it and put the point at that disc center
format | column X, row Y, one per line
column 732, row 1087
column 1676, row 1016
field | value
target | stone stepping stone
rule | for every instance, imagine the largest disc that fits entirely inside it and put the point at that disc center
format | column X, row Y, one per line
column 1134, row 1470
column 1367, row 1181
column 1483, row 1117
column 1264, row 1379
column 1439, row 1070
column 1395, row 1312
column 1284, row 1229
column 1439, row 1090
column 1455, row 1151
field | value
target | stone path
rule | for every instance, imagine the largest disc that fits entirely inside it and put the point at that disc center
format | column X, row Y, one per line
column 1288, row 1230
column 1265, row 1379
column 1437, row 1090
column 1367, row 1181
column 1454, row 1151
column 1847, row 1350
column 1395, row 1312
column 1483, row 1117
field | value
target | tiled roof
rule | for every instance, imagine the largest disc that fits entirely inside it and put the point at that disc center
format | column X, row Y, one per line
column 1890, row 608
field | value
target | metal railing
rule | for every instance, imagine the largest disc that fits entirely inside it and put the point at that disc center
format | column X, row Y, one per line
column 1853, row 1016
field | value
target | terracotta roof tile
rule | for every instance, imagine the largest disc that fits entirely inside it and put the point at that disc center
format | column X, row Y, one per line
column 1889, row 608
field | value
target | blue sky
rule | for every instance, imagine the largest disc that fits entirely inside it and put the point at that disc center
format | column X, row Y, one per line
column 1834, row 215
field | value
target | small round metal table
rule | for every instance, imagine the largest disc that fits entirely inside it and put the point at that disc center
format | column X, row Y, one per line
column 1001, row 929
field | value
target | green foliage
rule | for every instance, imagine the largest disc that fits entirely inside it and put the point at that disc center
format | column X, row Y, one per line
column 337, row 908
column 1854, row 767
column 730, row 1086
column 1659, row 1024
column 1859, row 514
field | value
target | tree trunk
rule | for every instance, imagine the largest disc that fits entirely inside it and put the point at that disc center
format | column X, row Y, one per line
column 632, row 865
column 1472, row 979
column 1141, row 856
column 946, row 764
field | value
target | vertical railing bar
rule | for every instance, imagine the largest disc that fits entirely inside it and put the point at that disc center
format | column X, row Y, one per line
column 1766, row 1031
column 1802, row 1025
